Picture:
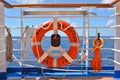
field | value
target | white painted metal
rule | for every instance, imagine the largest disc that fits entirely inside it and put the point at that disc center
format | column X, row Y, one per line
column 59, row 16
column 59, row 48
column 74, row 44
column 115, row 26
column 35, row 43
column 43, row 57
column 54, row 62
column 87, row 40
column 68, row 16
column 21, row 25
column 55, row 26
column 2, row 41
column 116, row 14
column 117, row 42
column 67, row 57
column 1, row 14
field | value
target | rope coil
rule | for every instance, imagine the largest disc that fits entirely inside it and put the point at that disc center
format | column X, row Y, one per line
column 96, row 63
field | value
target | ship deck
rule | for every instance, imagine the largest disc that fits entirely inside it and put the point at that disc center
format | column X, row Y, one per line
column 88, row 25
column 77, row 78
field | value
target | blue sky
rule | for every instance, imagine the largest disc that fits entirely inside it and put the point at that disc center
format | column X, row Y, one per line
column 94, row 22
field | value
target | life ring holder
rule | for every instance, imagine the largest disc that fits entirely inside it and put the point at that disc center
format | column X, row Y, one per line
column 45, row 57
column 98, row 42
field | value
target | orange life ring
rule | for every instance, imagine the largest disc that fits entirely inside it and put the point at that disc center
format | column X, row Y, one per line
column 44, row 57
column 98, row 42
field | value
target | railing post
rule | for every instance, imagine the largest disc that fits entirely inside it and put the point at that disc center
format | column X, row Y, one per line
column 2, row 44
column 117, row 42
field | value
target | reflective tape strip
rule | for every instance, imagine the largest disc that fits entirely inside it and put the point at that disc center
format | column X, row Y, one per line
column 54, row 62
column 42, row 57
column 68, row 57
column 35, row 43
column 74, row 44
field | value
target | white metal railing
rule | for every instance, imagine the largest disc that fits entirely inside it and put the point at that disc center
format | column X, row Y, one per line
column 2, row 51
column 116, row 50
column 65, row 38
column 60, row 16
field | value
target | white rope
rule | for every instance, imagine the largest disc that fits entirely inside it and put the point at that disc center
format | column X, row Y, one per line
column 63, row 29
column 47, row 26
column 37, row 45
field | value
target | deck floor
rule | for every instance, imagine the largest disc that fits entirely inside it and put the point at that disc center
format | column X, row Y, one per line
column 77, row 78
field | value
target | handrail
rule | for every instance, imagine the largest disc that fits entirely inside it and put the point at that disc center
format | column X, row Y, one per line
column 6, row 4
column 63, row 5
column 115, row 26
column 65, row 38
column 116, row 62
column 115, row 14
column 75, row 59
column 114, row 2
column 54, row 5
column 116, row 50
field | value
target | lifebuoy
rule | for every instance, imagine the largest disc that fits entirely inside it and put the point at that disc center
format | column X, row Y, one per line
column 98, row 42
column 66, row 57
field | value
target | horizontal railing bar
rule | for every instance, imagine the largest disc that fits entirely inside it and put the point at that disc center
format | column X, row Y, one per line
column 115, row 26
column 114, row 15
column 63, row 38
column 69, row 65
column 36, row 60
column 79, row 49
column 96, row 27
column 2, row 51
column 15, row 39
column 116, row 50
column 113, row 61
column 66, row 38
column 59, row 16
column 115, row 38
column 16, row 60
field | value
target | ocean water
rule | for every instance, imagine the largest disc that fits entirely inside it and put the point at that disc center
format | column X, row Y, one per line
column 29, row 58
